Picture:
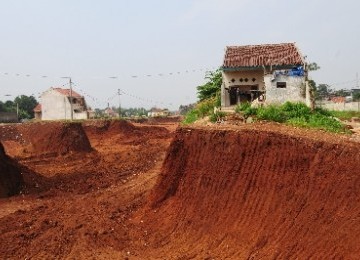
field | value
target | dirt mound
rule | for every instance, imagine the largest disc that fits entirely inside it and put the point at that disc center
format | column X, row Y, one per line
column 253, row 194
column 10, row 175
column 50, row 139
column 122, row 131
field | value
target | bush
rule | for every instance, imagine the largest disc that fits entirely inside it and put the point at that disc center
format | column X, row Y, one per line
column 216, row 116
column 191, row 117
column 296, row 110
column 202, row 109
column 242, row 107
column 296, row 114
column 271, row 113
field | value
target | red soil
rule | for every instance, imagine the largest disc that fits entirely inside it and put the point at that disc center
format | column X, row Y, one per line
column 46, row 139
column 255, row 194
column 258, row 191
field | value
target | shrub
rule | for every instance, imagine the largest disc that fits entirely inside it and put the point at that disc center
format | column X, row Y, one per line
column 242, row 107
column 191, row 117
column 296, row 110
column 271, row 113
column 216, row 116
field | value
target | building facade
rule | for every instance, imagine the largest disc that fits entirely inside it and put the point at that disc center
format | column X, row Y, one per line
column 60, row 104
column 269, row 73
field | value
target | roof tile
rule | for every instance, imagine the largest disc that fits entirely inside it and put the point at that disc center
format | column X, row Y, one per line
column 262, row 55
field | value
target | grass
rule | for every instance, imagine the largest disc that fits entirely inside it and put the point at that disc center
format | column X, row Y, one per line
column 203, row 109
column 296, row 114
column 345, row 115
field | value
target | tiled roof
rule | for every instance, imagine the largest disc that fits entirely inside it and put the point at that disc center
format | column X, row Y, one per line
column 37, row 108
column 282, row 54
column 66, row 92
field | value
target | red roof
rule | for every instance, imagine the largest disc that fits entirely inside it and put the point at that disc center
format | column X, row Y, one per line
column 282, row 54
column 66, row 92
column 37, row 108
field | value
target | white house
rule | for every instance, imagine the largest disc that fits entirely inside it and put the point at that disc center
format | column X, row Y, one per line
column 57, row 103
column 158, row 112
column 268, row 73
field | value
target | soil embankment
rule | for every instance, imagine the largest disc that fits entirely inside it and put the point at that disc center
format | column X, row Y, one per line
column 10, row 175
column 44, row 139
column 254, row 194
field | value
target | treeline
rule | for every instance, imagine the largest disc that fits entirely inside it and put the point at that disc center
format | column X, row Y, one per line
column 23, row 105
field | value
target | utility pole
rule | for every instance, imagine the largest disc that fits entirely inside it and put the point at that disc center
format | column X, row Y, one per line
column 357, row 80
column 71, row 100
column 119, row 93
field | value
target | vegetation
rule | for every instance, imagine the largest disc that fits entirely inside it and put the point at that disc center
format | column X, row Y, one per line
column 345, row 115
column 212, row 87
column 296, row 114
column 202, row 109
column 23, row 104
column 209, row 98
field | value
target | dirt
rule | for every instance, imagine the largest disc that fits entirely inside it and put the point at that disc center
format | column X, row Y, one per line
column 44, row 139
column 148, row 191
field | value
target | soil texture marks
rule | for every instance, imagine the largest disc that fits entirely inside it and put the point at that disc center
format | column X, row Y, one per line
column 44, row 139
column 247, row 194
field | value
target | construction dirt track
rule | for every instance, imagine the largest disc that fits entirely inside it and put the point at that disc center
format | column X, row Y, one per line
column 121, row 190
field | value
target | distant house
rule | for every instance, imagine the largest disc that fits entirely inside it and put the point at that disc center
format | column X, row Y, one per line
column 109, row 112
column 56, row 104
column 158, row 112
column 269, row 73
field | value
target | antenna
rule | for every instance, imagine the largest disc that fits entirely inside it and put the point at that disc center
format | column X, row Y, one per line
column 357, row 80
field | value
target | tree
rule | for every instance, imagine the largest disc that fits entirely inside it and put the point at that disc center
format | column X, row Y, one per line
column 313, row 66
column 26, row 105
column 356, row 96
column 323, row 91
column 212, row 87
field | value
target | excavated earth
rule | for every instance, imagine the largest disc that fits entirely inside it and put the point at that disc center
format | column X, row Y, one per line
column 121, row 190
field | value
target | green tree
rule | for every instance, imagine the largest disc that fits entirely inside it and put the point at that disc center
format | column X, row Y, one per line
column 313, row 66
column 26, row 105
column 323, row 91
column 356, row 96
column 212, row 87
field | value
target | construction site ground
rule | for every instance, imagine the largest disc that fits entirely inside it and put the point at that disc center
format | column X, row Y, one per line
column 156, row 190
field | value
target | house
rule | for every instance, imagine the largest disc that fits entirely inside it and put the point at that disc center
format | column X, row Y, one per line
column 109, row 112
column 158, row 112
column 268, row 73
column 59, row 103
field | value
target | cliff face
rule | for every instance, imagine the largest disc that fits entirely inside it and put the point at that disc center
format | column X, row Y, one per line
column 253, row 194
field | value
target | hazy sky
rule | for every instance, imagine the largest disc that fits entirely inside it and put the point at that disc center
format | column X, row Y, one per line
column 92, row 41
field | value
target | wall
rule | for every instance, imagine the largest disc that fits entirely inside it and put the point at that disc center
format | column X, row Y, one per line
column 350, row 106
column 8, row 117
column 57, row 107
column 237, row 75
column 295, row 90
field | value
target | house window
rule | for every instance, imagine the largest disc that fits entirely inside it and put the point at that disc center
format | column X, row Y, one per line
column 281, row 84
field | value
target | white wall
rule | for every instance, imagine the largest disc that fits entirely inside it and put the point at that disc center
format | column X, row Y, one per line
column 57, row 107
column 295, row 90
column 350, row 106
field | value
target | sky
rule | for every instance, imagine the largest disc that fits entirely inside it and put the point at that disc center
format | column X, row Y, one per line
column 156, row 52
